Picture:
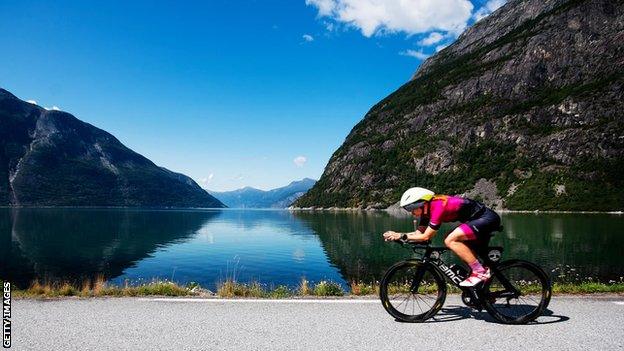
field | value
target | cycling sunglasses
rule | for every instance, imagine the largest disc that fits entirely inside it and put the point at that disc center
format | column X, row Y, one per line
column 411, row 207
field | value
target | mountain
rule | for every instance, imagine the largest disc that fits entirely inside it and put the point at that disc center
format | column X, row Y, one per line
column 51, row 158
column 523, row 111
column 249, row 197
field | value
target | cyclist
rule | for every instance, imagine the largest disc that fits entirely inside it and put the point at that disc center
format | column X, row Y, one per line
column 477, row 222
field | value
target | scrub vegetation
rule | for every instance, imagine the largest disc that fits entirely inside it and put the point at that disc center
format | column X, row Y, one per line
column 98, row 288
column 233, row 289
column 230, row 288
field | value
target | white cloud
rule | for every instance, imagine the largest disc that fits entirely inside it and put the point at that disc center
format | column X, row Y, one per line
column 392, row 16
column 308, row 37
column 489, row 7
column 206, row 180
column 53, row 108
column 441, row 47
column 432, row 38
column 300, row 161
column 31, row 102
column 325, row 7
column 413, row 53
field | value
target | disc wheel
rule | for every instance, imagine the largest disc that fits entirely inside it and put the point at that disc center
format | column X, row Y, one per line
column 517, row 293
column 412, row 291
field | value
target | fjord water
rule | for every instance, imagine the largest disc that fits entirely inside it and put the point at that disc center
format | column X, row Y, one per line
column 273, row 247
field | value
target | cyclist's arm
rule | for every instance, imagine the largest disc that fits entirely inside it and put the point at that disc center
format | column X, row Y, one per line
column 432, row 222
column 421, row 236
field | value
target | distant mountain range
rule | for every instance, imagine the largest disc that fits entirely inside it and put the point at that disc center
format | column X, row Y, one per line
column 51, row 158
column 249, row 197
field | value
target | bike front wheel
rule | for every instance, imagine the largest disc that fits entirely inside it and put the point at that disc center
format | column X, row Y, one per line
column 412, row 291
column 518, row 292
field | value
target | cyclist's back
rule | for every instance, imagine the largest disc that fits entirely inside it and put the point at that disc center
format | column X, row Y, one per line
column 476, row 218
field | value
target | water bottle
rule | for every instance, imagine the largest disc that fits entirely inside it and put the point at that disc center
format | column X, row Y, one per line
column 459, row 271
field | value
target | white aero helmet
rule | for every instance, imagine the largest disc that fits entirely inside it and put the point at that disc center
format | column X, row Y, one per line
column 415, row 197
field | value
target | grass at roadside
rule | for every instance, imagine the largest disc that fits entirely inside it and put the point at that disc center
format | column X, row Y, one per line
column 233, row 289
column 230, row 288
column 587, row 288
column 98, row 288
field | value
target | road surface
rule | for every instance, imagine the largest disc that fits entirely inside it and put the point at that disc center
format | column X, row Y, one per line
column 574, row 323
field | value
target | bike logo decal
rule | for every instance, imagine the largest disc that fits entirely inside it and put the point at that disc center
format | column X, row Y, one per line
column 494, row 255
column 449, row 273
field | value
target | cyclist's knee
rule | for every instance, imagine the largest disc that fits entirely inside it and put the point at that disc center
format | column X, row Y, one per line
column 454, row 237
column 449, row 240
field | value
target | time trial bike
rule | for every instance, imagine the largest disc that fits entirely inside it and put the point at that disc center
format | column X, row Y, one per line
column 414, row 290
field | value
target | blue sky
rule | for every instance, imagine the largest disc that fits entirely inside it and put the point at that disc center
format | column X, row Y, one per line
column 231, row 93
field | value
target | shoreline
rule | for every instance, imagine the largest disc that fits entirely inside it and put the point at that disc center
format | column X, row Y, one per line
column 114, row 207
column 397, row 211
column 393, row 210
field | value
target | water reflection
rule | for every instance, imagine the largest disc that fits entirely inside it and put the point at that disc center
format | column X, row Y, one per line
column 589, row 245
column 273, row 247
column 71, row 245
column 353, row 241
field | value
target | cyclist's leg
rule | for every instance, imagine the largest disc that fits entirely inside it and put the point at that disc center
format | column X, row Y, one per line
column 476, row 229
column 479, row 229
column 455, row 242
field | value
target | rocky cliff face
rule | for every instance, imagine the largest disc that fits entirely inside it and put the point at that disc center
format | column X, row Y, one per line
column 524, row 111
column 50, row 158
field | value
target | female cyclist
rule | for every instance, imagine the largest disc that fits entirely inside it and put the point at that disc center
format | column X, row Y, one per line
column 476, row 219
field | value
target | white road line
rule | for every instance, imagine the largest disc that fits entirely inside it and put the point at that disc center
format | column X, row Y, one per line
column 258, row 300
column 618, row 302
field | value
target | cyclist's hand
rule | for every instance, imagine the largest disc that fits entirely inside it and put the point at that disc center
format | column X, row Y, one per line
column 391, row 236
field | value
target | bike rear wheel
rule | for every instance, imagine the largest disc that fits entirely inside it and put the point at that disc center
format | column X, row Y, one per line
column 518, row 292
column 412, row 291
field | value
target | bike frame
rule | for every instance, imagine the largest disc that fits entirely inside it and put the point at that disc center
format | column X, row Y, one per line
column 432, row 257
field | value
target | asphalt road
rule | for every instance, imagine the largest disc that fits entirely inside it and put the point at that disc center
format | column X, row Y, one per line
column 574, row 323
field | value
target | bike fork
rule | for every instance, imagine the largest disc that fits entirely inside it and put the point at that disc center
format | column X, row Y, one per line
column 420, row 272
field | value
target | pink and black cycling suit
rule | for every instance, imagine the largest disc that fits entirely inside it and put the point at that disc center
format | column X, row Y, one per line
column 476, row 218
